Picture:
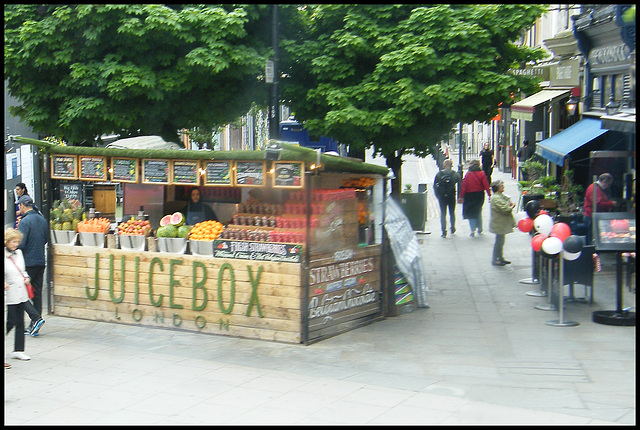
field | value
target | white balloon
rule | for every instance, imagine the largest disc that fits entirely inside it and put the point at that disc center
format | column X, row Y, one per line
column 571, row 255
column 520, row 215
column 552, row 245
column 543, row 224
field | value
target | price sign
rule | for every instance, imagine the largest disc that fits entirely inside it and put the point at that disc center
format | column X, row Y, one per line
column 218, row 173
column 250, row 173
column 64, row 167
column 124, row 170
column 93, row 168
column 71, row 191
column 288, row 174
column 155, row 171
column 185, row 172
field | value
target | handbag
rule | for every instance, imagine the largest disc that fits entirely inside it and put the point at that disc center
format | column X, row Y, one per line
column 27, row 281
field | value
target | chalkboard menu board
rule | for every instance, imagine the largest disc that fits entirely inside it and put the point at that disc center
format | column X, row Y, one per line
column 71, row 191
column 250, row 173
column 93, row 168
column 155, row 171
column 218, row 173
column 64, row 167
column 124, row 170
column 185, row 172
column 288, row 174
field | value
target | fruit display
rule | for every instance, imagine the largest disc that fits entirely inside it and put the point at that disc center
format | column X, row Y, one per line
column 135, row 227
column 358, row 182
column 66, row 215
column 94, row 225
column 206, row 230
column 173, row 226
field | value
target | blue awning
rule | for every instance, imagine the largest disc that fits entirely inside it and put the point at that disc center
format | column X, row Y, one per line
column 557, row 147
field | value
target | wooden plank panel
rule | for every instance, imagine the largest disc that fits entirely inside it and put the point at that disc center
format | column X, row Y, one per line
column 263, row 307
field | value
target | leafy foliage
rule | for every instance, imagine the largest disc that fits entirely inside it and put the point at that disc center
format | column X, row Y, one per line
column 80, row 71
column 398, row 77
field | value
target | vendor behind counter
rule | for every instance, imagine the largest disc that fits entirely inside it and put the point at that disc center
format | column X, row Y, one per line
column 195, row 211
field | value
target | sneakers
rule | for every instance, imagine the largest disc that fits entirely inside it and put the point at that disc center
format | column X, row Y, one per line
column 36, row 327
column 506, row 262
column 453, row 231
column 20, row 355
column 444, row 234
column 472, row 234
column 498, row 263
column 27, row 331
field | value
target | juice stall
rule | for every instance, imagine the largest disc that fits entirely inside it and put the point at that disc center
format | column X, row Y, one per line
column 296, row 255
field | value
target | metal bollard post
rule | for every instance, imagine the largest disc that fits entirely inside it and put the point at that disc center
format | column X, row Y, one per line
column 548, row 306
column 533, row 279
column 540, row 292
column 560, row 322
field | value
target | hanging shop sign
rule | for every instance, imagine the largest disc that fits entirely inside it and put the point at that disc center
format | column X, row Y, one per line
column 64, row 167
column 218, row 173
column 155, row 171
column 93, row 168
column 288, row 174
column 124, row 170
column 250, row 173
column 185, row 172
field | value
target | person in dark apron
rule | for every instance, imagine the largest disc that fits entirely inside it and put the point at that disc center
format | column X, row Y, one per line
column 195, row 211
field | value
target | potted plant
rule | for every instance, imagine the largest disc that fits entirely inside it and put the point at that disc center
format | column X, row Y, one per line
column 569, row 198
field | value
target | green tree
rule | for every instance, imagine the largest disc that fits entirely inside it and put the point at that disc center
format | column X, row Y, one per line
column 398, row 77
column 80, row 71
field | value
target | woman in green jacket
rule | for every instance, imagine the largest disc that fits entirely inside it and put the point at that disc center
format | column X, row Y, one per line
column 501, row 222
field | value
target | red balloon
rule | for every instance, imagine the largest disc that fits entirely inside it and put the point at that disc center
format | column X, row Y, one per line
column 525, row 225
column 561, row 230
column 543, row 212
column 536, row 242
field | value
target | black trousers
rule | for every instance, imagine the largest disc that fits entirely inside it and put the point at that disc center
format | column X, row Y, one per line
column 15, row 319
column 447, row 202
column 36, row 273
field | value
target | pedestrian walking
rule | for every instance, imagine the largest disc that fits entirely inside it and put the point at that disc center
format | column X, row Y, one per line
column 16, row 295
column 488, row 161
column 444, row 186
column 501, row 222
column 524, row 153
column 474, row 185
column 35, row 230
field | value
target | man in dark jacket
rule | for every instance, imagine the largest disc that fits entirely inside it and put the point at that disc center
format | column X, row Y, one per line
column 444, row 186
column 36, row 235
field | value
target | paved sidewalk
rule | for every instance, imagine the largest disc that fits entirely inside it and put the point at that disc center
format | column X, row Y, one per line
column 481, row 354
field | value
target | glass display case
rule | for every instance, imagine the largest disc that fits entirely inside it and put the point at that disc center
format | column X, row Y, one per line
column 615, row 231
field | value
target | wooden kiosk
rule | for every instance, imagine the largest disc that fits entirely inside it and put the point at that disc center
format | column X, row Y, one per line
column 299, row 259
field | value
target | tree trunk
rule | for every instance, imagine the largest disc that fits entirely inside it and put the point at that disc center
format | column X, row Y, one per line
column 394, row 162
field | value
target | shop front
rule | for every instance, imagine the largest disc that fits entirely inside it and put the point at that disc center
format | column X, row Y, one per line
column 295, row 256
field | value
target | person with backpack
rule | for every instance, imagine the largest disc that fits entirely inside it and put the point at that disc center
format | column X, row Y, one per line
column 444, row 186
column 474, row 185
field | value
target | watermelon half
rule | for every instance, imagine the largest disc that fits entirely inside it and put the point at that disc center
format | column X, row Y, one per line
column 177, row 219
column 165, row 220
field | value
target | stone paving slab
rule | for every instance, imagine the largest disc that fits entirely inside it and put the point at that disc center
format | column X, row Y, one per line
column 480, row 354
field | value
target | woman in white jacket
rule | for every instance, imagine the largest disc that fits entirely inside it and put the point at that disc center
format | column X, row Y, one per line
column 16, row 296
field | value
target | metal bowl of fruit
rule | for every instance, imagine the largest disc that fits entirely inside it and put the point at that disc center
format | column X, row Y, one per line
column 63, row 237
column 172, row 245
column 92, row 239
column 201, row 247
column 131, row 242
